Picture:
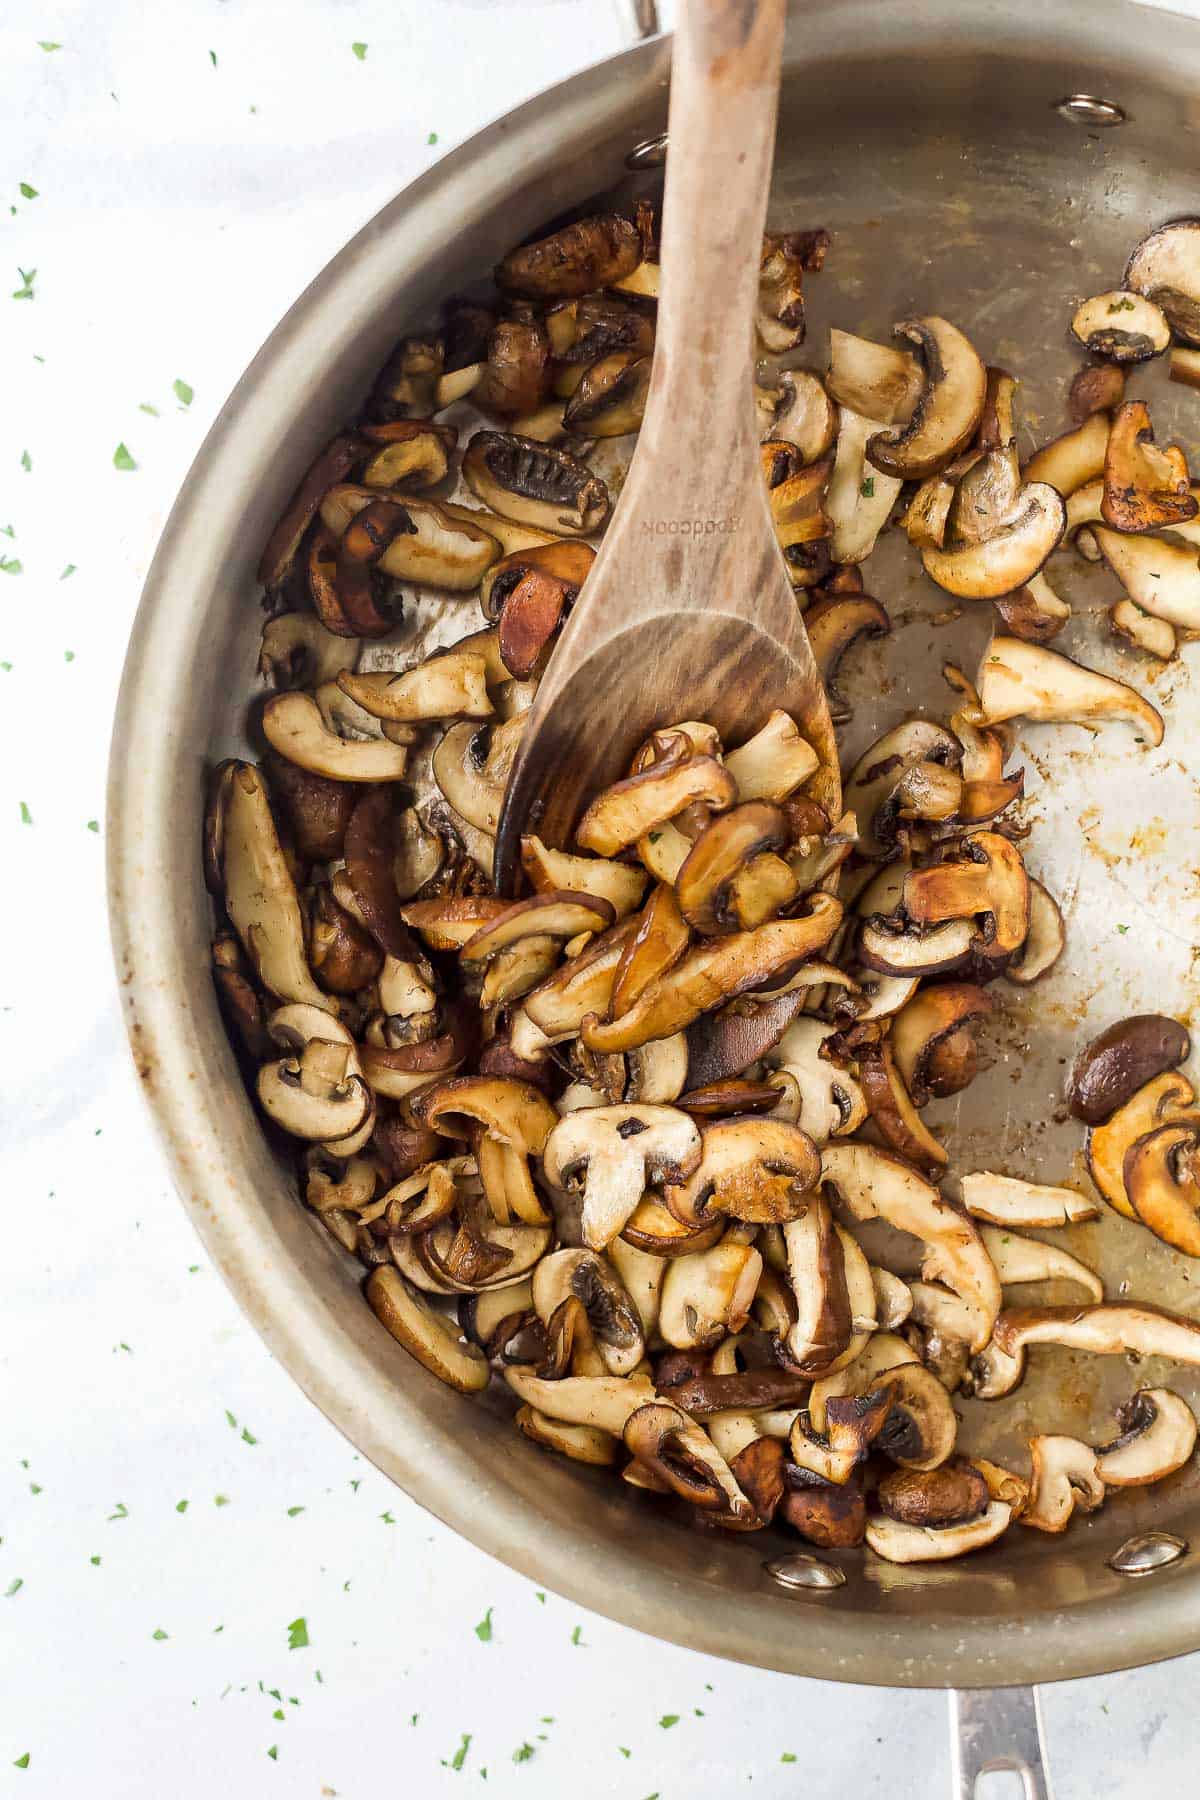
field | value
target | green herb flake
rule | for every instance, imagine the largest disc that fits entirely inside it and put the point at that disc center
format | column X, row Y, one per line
column 45, row 44
column 146, row 407
column 29, row 193
column 1122, row 929
column 220, row 1499
column 25, row 291
column 298, row 1634
column 27, row 819
column 414, row 1718
column 68, row 656
column 21, row 1762
column 654, row 836
column 10, row 565
column 460, row 1755
column 94, row 825
column 624, row 1752
column 248, row 1436
column 540, row 1596
column 667, row 1720
column 292, row 1511
column 523, row 1752
column 181, row 1506
column 432, row 138
column 95, row 1561
column 159, row 1635
column 34, row 1486
column 183, row 393
column 67, row 572
column 483, row 1631
column 867, row 489
column 26, row 461
column 8, row 531
column 123, row 460
column 273, row 1753
column 577, row 1635
column 1121, row 306
column 212, row 57
column 788, row 1756
column 14, row 1587
column 360, row 50
column 230, row 1420
column 387, row 1518
column 278, row 1713
column 7, row 667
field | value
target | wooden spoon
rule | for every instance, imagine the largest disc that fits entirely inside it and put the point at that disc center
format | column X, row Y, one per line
column 687, row 612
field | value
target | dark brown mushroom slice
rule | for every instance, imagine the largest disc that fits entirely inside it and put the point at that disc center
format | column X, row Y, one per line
column 753, row 1169
column 657, row 942
column 722, row 1044
column 598, row 325
column 1145, row 488
column 611, row 396
column 665, row 1440
column 896, row 1117
column 332, row 465
column 1097, row 387
column 363, row 591
column 708, row 886
column 402, row 1148
column 315, row 808
column 322, row 569
column 499, row 1058
column 702, row 1393
column 370, row 854
column 1166, row 268
column 1023, row 614
column 832, row 1515
column 466, row 327
column 533, row 589
column 1120, row 1060
column 405, row 387
column 590, row 253
column 758, row 1470
column 952, row 1492
column 721, row 1098
column 932, row 1039
column 1162, row 1180
column 516, row 375
column 344, row 957
column 240, row 999
column 415, row 452
column 535, row 484
column 652, row 1227
column 949, row 407
column 836, row 622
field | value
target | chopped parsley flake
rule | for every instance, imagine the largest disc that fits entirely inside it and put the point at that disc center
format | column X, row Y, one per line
column 8, row 531
column 10, row 565
column 1121, row 306
column 577, row 1635
column 788, row 1756
column 69, row 656
column 624, row 1752
column 230, row 1420
column 212, row 57
column 122, row 459
column 273, row 1753
column 483, row 1631
column 1122, row 929
column 95, row 1561
column 248, row 1436
column 278, row 1713
column 183, row 393
column 293, row 1510
column 387, row 1518
column 7, row 667
column 360, row 50
column 27, row 819
column 68, row 571
column 460, row 1755
column 540, row 1596
column 25, row 291
column 22, row 1762
column 867, row 490
column 667, row 1720
column 26, row 461
column 298, row 1634
column 181, row 1506
column 34, row 1487
column 29, row 193
column 523, row 1752
column 14, row 1587
column 432, row 138
column 220, row 1499
column 44, row 44
column 145, row 406
column 94, row 825
column 159, row 1636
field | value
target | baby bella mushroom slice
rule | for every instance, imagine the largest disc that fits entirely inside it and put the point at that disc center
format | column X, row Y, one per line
column 823, row 1335
column 659, row 937
column 559, row 915
column 425, row 1332
column 259, row 893
column 1162, row 1180
column 589, row 253
column 557, row 1007
column 881, row 383
column 900, row 1543
column 332, row 465
column 874, row 1184
column 1064, row 1477
column 732, row 879
column 292, row 725
column 1155, row 636
column 1166, row 1097
column 471, row 766
column 1045, row 940
column 1110, row 1329
column 882, row 1352
column 948, row 409
column 708, row 1294
column 753, row 1169
column 1163, row 578
column 1069, row 462
column 509, row 1121
column 318, row 1095
column 851, row 1426
column 1021, row 536
column 631, row 808
column 832, row 1103
column 612, row 1317
column 450, row 686
column 932, row 1038
column 1027, row 681
column 435, row 547
column 952, row 1493
column 1122, row 325
column 1111, row 1069
column 614, row 1153
column 582, row 1443
column 1020, row 1258
column 535, row 484
column 1166, row 268
column 892, row 1108
column 1157, row 1435
column 987, row 880
column 663, row 1439
column 1004, row 1200
column 605, row 1402
column 616, row 882
column 871, row 790
column 298, row 651
column 774, row 762
column 1145, row 488
column 1097, row 388
column 860, row 497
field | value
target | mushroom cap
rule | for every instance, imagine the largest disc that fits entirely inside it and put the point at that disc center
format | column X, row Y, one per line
column 925, row 1543
column 590, row 253
column 708, row 1294
column 1165, row 267
column 753, row 1169
column 1122, row 325
column 611, row 1314
column 1009, row 558
column 1166, row 1097
column 1122, row 1058
column 512, row 1112
column 1162, row 1180
column 617, row 1152
column 948, row 409
column 927, row 1021
column 1157, row 1436
column 950, row 1494
column 1064, row 1476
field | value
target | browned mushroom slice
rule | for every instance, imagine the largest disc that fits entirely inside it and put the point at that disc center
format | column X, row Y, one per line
column 800, row 518
column 672, row 1446
column 655, row 1231
column 951, row 1493
column 534, row 589
column 1167, row 1097
column 1162, row 578
column 591, row 253
column 1185, row 366
column 830, row 1515
column 774, row 762
column 319, row 1094
column 757, row 1170
column 606, row 1402
column 932, row 1038
column 1126, row 327
column 1157, row 1435
column 1145, row 488
column 344, row 956
column 426, row 1333
column 1109, row 1071
column 437, row 547
column 1069, row 461
column 564, row 561
column 1111, row 1329
column 1166, row 268
column 947, row 413
column 900, row 1543
column 1141, row 632
column 370, row 848
column 582, row 1443
column 656, row 945
column 614, row 1153
column 875, row 1184
column 871, row 788
column 556, row 1009
column 611, row 396
column 413, row 452
column 831, row 1295
column 1097, row 388
column 403, row 1070
column 515, row 377
column 780, row 316
column 444, row 687
column 1162, row 1180
column 509, row 1121
column 832, row 1103
column 322, row 566
column 583, row 331
column 723, row 885
column 716, row 971
column 1033, row 612
column 720, row 1099
column 315, row 809
column 449, row 922
column 1064, row 1477
column 535, row 483
column 631, row 808
column 407, row 384
column 242, row 1004
column 547, row 869
column 879, row 383
column 1044, row 942
column 613, row 1320
column 833, row 625
column 920, row 1428
column 298, row 651
column 804, row 415
column 560, row 915
column 1022, row 542
column 708, row 1294
column 892, row 1109
column 988, row 882
column 852, row 1425
column 1027, row 681
column 1004, row 1200
column 332, row 465
column 723, row 1044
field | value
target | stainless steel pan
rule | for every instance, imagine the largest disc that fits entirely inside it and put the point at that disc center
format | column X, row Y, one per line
column 988, row 161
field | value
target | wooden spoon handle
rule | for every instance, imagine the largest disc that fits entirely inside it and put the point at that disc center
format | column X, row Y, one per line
column 724, row 96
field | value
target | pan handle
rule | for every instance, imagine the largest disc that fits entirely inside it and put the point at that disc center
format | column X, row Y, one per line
column 997, row 1728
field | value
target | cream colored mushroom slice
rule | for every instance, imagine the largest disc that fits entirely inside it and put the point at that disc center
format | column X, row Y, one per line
column 852, row 1426
column 441, row 550
column 1075, row 458
column 1045, row 940
column 1029, row 1259
column 664, row 1439
column 605, row 1402
column 893, row 1299
column 881, row 383
column 900, row 1543
column 860, row 497
column 292, row 724
column 1123, row 326
column 1111, row 1329
column 297, row 651
column 708, row 1294
column 471, row 766
column 832, row 1103
column 1022, row 542
column 621, row 885
column 882, row 1353
column 657, row 1071
column 444, row 687
column 1064, row 1477
column 874, row 1184
column 832, row 1289
column 425, row 1333
column 259, row 893
column 774, row 762
column 1004, row 1200
column 1157, row 1436
column 317, row 1095
column 1160, row 577
column 582, row 1443
column 1141, row 632
column 614, row 1320
column 1027, row 681
column 947, row 413
column 949, row 1325
column 643, row 1276
column 805, row 415
column 404, row 993
column 509, row 1121
column 614, row 1153
column 558, row 915
column 632, row 808
column 1166, row 268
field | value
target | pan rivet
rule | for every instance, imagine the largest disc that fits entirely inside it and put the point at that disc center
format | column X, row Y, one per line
column 805, row 1572
column 1148, row 1551
column 650, row 154
column 1087, row 109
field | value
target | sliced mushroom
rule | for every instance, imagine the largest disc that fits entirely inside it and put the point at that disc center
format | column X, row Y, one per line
column 948, row 410
column 642, row 1275
column 987, row 880
column 425, row 1333
column 371, row 875
column 882, row 1353
column 871, row 791
column 774, row 762
column 292, row 725
column 1022, row 540
column 1069, row 461
column 660, row 938
column 1028, row 681
column 1033, row 612
column 833, row 626
column 756, row 1170
column 1096, row 388
column 832, row 1103
column 605, row 1402
column 1160, row 577
column 508, row 1121
column 1019, row 1259
column 947, row 1324
column 900, row 1543
column 822, row 1336
column 1064, row 1477
column 920, row 1427
column 297, row 651
column 1108, row 1072
column 556, row 1009
column 672, row 1446
column 241, row 1000
column 891, row 1106
column 345, row 958
column 708, row 1294
column 332, row 465
column 471, row 766
column 590, row 253
column 882, row 384
column 780, row 316
column 611, row 396
column 804, row 416
column 860, row 495
column 1110, row 1329
column 874, row 1184
column 558, row 915
column 1162, row 1099
column 435, row 547
column 1145, row 488
column 444, row 687
column 718, row 970
column 950, row 1494
column 318, row 1095
column 631, row 808
column 827, row 1514
column 547, row 869
column 1157, row 1434
column 614, row 1153
column 852, row 1425
column 534, row 483
column 1155, row 636
column 1127, row 327
column 1166, row 268
column 932, row 1038
column 724, row 884
column 1162, row 1180
column 1044, row 942
column 1003, row 1200
column 582, row 1275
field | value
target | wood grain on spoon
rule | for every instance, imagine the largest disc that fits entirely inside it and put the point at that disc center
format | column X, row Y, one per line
column 688, row 612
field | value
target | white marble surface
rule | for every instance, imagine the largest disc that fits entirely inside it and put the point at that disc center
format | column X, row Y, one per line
column 180, row 206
